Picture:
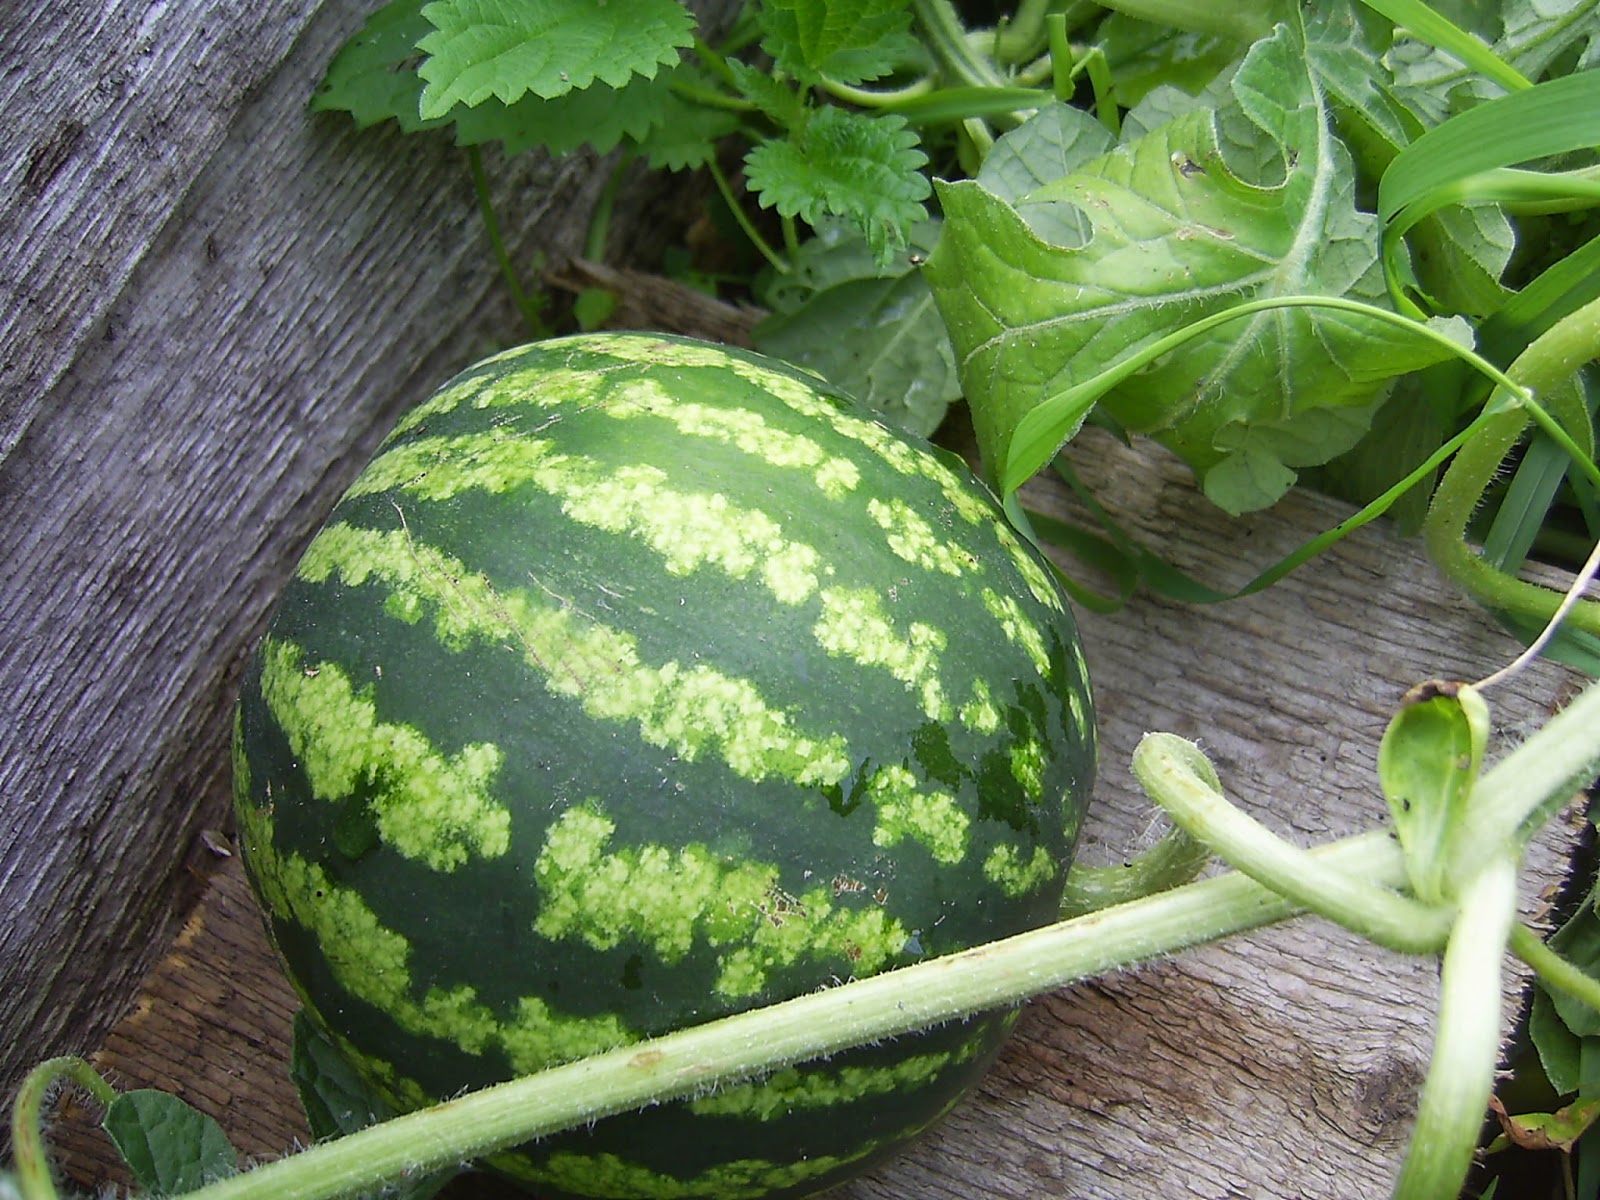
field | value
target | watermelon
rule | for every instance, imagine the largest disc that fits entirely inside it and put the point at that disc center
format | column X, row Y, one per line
column 635, row 682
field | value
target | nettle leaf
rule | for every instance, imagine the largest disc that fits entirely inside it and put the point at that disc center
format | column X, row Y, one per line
column 777, row 98
column 685, row 135
column 597, row 117
column 872, row 330
column 867, row 169
column 508, row 48
column 170, row 1147
column 374, row 76
column 845, row 40
column 1176, row 235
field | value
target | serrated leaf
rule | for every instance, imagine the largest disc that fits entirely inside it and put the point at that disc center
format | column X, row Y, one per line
column 374, row 76
column 848, row 41
column 874, row 332
column 169, row 1146
column 685, row 135
column 1179, row 235
column 775, row 97
column 866, row 169
column 597, row 117
column 508, row 48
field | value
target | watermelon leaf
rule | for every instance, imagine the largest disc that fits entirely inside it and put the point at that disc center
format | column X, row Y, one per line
column 507, row 48
column 1178, row 234
column 169, row 1146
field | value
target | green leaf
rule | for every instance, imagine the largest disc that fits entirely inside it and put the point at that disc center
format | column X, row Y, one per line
column 374, row 76
column 1428, row 762
column 169, row 1146
column 866, row 169
column 1460, row 253
column 848, row 41
column 597, row 117
column 1054, row 142
column 337, row 1101
column 1178, row 235
column 874, row 332
column 1551, row 118
column 1559, row 1049
column 508, row 48
column 777, row 98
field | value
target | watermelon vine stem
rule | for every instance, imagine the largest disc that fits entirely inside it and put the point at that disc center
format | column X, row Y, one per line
column 27, row 1119
column 690, row 1061
column 1466, row 1039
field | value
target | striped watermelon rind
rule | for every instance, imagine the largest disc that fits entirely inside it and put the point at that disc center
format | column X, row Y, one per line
column 635, row 682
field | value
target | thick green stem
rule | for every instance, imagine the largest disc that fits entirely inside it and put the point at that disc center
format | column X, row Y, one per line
column 1178, row 777
column 27, row 1119
column 987, row 977
column 1466, row 1044
column 1548, row 362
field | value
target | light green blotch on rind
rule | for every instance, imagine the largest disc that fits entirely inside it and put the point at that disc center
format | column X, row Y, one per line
column 980, row 714
column 1044, row 588
column 1005, row 868
column 611, row 1177
column 742, row 428
column 794, row 1088
column 1019, row 630
column 693, row 711
column 687, row 530
column 854, row 625
column 372, row 963
column 912, row 539
column 673, row 898
column 933, row 819
column 428, row 807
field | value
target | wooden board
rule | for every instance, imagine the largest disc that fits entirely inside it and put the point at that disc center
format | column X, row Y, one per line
column 1283, row 1063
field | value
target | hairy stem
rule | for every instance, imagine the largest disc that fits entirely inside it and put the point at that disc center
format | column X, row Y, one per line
column 1549, row 361
column 1466, row 1042
column 1180, row 779
column 738, row 1047
column 1554, row 971
column 27, row 1119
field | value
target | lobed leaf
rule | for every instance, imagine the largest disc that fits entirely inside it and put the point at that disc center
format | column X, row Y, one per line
column 506, row 49
column 1178, row 234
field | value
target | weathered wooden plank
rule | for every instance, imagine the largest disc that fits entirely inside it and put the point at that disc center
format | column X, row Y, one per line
column 1284, row 1063
column 212, row 304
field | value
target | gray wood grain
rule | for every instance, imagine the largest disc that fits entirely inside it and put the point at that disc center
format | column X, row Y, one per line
column 212, row 305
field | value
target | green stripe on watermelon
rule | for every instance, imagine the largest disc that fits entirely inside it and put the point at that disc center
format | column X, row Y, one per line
column 769, row 695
